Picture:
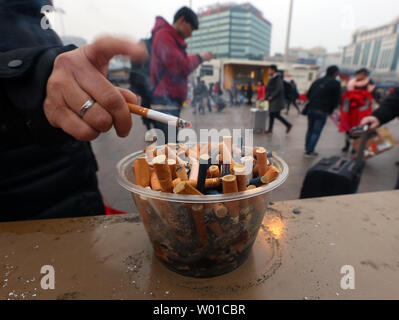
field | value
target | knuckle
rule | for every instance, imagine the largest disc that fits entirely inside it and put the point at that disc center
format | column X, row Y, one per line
column 63, row 59
column 103, row 122
column 112, row 100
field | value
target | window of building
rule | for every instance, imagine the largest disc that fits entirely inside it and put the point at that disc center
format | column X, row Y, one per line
column 206, row 70
column 366, row 54
column 356, row 57
column 376, row 53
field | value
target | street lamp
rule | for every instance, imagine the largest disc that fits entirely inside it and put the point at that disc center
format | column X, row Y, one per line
column 287, row 41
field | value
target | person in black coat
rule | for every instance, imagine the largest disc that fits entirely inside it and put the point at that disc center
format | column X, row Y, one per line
column 324, row 96
column 47, row 167
column 276, row 96
column 388, row 110
column 250, row 93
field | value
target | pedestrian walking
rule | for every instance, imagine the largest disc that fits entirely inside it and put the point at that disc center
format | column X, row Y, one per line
column 171, row 64
column 324, row 96
column 261, row 94
column 357, row 103
column 250, row 93
column 275, row 95
column 293, row 97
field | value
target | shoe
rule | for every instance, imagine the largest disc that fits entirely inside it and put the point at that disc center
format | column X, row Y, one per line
column 311, row 154
column 289, row 129
column 268, row 132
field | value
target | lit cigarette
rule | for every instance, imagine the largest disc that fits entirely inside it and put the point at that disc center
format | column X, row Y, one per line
column 163, row 172
column 142, row 172
column 158, row 116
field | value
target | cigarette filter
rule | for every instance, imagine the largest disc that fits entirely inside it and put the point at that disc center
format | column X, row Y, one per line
column 272, row 173
column 261, row 161
column 142, row 172
column 172, row 167
column 194, row 170
column 230, row 186
column 215, row 228
column 213, row 171
column 149, row 151
column 220, row 210
column 186, row 188
column 176, row 182
column 199, row 221
column 241, row 179
column 163, row 172
column 212, row 183
column 181, row 172
column 155, row 184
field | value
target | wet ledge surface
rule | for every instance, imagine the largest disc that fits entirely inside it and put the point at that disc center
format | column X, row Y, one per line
column 296, row 256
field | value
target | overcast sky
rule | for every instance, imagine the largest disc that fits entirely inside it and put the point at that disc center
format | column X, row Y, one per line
column 327, row 23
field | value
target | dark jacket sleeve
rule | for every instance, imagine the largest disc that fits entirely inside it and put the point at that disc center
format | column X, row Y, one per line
column 23, row 91
column 335, row 95
column 389, row 108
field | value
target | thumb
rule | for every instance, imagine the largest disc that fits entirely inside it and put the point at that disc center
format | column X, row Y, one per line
column 105, row 48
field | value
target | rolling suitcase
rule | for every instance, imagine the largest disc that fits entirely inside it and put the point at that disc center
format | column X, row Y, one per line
column 336, row 175
column 258, row 119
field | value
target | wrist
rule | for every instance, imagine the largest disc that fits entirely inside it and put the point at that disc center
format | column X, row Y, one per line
column 200, row 58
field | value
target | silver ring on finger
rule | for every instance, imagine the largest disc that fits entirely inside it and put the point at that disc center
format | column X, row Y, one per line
column 88, row 104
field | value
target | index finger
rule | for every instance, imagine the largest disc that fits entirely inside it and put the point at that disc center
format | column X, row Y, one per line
column 105, row 48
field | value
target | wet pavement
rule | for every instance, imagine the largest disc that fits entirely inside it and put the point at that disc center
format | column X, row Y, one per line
column 380, row 172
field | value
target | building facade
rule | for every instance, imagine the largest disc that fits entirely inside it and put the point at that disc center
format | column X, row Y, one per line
column 376, row 49
column 232, row 31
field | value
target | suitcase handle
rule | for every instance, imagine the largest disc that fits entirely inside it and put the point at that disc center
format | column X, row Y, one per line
column 339, row 165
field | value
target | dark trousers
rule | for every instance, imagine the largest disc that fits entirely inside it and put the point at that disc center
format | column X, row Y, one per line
column 316, row 123
column 277, row 115
column 164, row 127
column 292, row 101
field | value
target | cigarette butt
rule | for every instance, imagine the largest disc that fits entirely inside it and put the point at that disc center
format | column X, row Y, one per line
column 261, row 161
column 186, row 188
column 193, row 183
column 251, row 187
column 212, row 183
column 181, row 172
column 194, row 170
column 176, row 182
column 241, row 178
column 205, row 149
column 229, row 184
column 272, row 173
column 149, row 152
column 163, row 172
column 172, row 168
column 142, row 172
column 259, row 181
column 215, row 228
column 205, row 162
column 220, row 210
column 213, row 171
column 155, row 184
column 199, row 221
column 194, row 152
column 228, row 141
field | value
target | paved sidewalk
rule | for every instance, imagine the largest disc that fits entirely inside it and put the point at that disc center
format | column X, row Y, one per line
column 380, row 172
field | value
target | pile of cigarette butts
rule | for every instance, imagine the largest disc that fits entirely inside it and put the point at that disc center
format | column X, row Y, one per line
column 210, row 238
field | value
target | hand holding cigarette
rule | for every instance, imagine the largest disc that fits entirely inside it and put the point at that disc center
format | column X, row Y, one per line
column 80, row 100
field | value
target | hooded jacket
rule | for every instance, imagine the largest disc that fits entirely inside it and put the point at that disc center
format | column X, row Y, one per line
column 170, row 64
column 44, row 173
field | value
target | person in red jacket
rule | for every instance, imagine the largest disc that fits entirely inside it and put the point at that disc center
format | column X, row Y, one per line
column 170, row 64
column 261, row 94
